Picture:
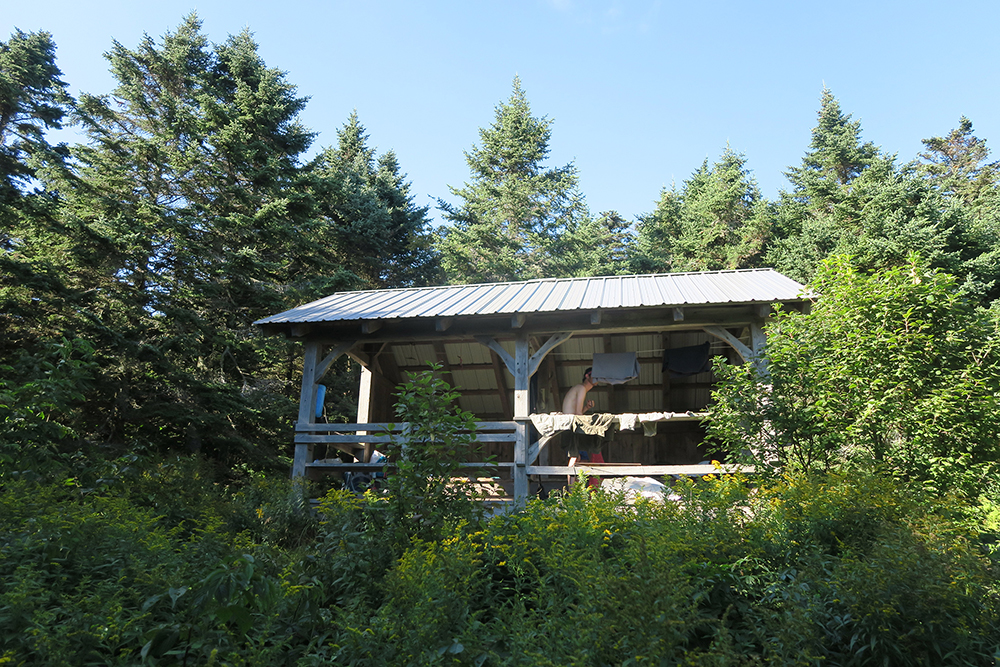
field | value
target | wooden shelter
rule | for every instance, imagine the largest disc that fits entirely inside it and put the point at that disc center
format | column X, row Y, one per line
column 512, row 350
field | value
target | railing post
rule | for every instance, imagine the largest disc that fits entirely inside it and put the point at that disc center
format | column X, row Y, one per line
column 307, row 406
column 521, row 411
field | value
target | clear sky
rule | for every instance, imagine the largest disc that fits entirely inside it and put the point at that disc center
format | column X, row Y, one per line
column 640, row 92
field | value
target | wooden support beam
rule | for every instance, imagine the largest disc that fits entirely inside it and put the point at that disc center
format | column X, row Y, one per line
column 678, row 314
column 521, row 409
column 758, row 341
column 552, row 343
column 597, row 470
column 522, row 377
column 390, row 370
column 371, row 326
column 299, row 330
column 763, row 311
column 595, row 317
column 443, row 323
column 745, row 352
column 360, row 357
column 338, row 350
column 505, row 357
column 538, row 448
column 501, row 380
column 665, row 344
column 517, row 320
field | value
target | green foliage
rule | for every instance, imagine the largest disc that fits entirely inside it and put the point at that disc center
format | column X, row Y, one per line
column 381, row 234
column 837, row 570
column 895, row 371
column 425, row 495
column 33, row 99
column 516, row 219
column 717, row 220
column 957, row 167
column 41, row 400
column 185, row 216
column 606, row 246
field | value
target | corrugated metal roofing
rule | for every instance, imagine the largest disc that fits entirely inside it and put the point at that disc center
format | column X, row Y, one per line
column 549, row 295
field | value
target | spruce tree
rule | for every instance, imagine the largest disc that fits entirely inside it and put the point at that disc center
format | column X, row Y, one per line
column 192, row 179
column 607, row 246
column 717, row 220
column 381, row 234
column 836, row 156
column 957, row 165
column 516, row 218
column 44, row 352
column 849, row 198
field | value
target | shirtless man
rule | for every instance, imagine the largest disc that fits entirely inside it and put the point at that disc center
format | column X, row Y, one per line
column 573, row 404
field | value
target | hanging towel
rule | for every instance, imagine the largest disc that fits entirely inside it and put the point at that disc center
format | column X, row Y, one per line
column 683, row 361
column 550, row 423
column 628, row 421
column 597, row 424
column 649, row 421
column 614, row 368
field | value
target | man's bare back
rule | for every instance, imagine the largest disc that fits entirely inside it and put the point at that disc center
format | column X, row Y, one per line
column 574, row 403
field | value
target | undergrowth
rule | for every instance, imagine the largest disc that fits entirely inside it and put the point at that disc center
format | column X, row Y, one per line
column 799, row 571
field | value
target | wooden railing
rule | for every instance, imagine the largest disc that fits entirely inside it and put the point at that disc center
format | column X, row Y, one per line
column 360, row 440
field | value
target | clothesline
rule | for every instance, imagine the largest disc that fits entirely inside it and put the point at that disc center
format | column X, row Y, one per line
column 599, row 423
column 716, row 344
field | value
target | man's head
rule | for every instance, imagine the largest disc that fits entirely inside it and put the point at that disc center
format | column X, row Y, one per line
column 586, row 374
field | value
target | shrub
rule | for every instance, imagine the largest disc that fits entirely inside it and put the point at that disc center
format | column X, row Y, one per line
column 892, row 371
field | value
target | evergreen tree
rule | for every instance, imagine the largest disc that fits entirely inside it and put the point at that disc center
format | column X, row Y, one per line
column 192, row 179
column 851, row 199
column 517, row 219
column 606, row 245
column 44, row 367
column 33, row 100
column 835, row 158
column 956, row 165
column 382, row 234
column 717, row 220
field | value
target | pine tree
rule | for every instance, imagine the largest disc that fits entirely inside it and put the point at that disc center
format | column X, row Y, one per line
column 956, row 165
column 717, row 220
column 516, row 219
column 607, row 246
column 192, row 180
column 381, row 233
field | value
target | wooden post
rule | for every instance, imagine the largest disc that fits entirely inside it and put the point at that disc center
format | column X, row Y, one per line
column 366, row 398
column 758, row 339
column 521, row 412
column 307, row 406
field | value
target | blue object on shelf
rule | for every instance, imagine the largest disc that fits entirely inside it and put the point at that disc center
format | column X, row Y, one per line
column 320, row 397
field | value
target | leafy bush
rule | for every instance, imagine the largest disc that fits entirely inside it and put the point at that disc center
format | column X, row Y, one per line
column 892, row 371
column 424, row 496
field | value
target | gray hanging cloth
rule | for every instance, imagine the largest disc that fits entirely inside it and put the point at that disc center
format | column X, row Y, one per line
column 683, row 361
column 614, row 368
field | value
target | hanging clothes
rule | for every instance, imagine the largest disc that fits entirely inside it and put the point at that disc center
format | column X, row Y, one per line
column 684, row 361
column 614, row 368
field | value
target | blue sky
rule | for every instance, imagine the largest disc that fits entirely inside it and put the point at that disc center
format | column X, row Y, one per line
column 640, row 92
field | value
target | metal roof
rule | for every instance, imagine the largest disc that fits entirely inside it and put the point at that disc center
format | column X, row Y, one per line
column 550, row 295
